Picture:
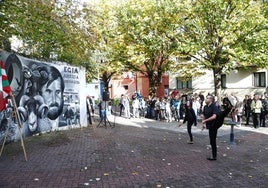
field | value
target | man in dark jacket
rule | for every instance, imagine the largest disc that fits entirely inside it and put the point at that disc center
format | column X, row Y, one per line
column 213, row 119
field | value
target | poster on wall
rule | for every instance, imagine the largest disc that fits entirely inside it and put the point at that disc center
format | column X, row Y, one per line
column 49, row 96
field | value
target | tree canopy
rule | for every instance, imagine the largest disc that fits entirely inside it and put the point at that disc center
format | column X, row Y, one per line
column 149, row 36
column 143, row 37
column 223, row 35
column 48, row 30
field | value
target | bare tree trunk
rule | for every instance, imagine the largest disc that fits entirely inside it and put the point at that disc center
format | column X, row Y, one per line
column 217, row 83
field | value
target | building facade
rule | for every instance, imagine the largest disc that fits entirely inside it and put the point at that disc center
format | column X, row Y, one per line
column 239, row 83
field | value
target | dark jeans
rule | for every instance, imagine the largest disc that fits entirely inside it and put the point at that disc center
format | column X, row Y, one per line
column 262, row 118
column 189, row 130
column 150, row 112
column 213, row 130
column 256, row 120
column 247, row 114
column 121, row 109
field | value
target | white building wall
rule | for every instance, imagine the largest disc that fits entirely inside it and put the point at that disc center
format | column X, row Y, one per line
column 93, row 90
column 240, row 83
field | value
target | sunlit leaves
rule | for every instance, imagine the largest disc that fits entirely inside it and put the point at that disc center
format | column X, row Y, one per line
column 218, row 33
column 148, row 33
column 48, row 27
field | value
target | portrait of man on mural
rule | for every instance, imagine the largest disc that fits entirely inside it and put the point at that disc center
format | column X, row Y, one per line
column 51, row 89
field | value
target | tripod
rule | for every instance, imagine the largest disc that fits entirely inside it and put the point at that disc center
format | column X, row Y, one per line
column 104, row 115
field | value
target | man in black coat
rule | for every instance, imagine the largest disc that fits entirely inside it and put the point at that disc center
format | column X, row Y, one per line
column 213, row 120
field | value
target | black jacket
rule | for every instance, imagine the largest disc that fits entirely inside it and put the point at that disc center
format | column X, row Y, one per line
column 190, row 116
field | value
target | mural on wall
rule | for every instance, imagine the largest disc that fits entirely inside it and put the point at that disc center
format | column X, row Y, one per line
column 47, row 96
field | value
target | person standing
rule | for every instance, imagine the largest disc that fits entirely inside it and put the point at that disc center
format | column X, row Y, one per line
column 247, row 102
column 157, row 109
column 121, row 105
column 263, row 111
column 88, row 111
column 143, row 107
column 168, row 110
column 196, row 106
column 201, row 100
column 191, row 119
column 135, row 107
column 126, row 107
column 256, row 106
column 209, row 116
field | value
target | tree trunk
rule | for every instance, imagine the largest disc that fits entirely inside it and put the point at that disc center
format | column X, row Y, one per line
column 106, row 79
column 154, row 82
column 217, row 82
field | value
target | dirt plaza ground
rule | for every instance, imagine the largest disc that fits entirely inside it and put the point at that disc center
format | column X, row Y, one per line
column 137, row 153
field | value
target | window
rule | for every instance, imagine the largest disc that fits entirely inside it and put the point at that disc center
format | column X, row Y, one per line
column 223, row 81
column 184, row 84
column 259, row 79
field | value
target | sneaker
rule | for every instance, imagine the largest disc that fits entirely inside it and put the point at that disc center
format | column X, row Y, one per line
column 211, row 159
column 190, row 142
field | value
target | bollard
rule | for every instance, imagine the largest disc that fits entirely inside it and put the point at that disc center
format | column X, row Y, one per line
column 232, row 142
column 232, row 124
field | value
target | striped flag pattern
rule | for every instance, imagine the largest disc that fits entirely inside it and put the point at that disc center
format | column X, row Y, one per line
column 4, row 86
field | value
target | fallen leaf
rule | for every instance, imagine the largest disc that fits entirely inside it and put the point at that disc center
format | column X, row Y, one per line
column 86, row 184
column 119, row 168
column 250, row 176
column 224, row 155
column 135, row 173
column 97, row 179
column 106, row 174
column 36, row 179
column 158, row 185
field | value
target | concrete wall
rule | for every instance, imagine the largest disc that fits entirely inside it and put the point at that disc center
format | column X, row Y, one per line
column 43, row 92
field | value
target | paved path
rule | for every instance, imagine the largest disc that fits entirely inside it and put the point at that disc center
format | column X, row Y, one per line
column 137, row 153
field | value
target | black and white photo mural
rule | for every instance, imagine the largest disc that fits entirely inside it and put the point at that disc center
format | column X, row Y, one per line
column 49, row 96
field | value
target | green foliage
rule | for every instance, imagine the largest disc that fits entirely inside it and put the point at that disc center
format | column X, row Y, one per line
column 47, row 27
column 115, row 102
column 222, row 35
column 145, row 36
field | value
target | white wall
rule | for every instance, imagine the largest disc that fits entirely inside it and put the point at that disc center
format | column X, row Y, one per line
column 238, row 82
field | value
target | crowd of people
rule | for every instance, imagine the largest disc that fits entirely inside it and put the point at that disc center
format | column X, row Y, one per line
column 174, row 107
column 189, row 107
